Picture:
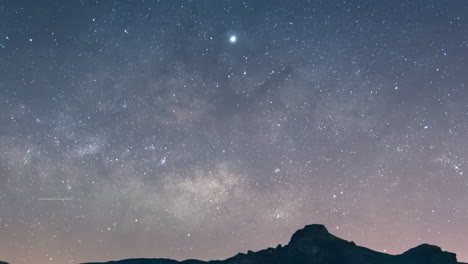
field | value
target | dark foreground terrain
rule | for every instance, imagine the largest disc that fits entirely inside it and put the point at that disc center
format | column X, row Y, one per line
column 313, row 244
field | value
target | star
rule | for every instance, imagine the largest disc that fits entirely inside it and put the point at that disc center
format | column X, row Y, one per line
column 233, row 39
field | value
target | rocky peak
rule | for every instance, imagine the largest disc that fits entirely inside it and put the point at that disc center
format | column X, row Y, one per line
column 312, row 233
column 431, row 252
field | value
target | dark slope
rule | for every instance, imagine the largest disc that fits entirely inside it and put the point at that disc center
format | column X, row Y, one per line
column 1, row 262
column 314, row 244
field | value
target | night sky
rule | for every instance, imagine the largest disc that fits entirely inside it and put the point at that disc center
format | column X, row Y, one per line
column 203, row 128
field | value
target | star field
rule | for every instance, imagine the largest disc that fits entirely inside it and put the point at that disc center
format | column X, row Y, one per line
column 200, row 129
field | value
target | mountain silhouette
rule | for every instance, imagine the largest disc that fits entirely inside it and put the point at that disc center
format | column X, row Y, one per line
column 1, row 262
column 315, row 245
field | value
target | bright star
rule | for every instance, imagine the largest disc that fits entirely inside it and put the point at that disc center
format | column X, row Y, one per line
column 233, row 39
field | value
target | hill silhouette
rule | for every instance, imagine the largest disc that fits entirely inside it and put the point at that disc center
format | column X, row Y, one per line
column 314, row 244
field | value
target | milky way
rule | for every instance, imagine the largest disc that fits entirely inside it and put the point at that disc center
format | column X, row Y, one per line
column 199, row 129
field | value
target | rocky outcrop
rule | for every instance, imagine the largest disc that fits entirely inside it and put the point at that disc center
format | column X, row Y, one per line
column 429, row 254
column 315, row 245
